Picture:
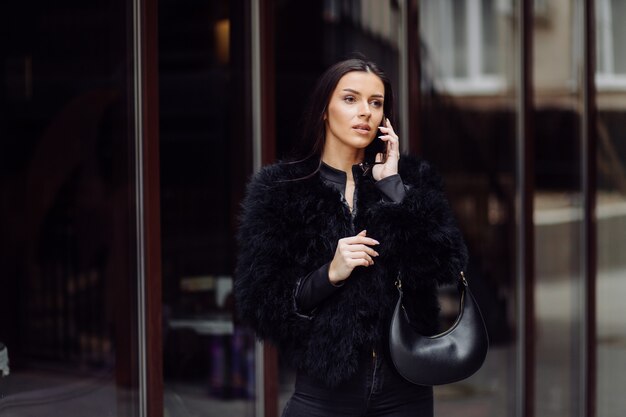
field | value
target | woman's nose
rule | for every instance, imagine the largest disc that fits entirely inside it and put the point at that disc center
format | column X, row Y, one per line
column 365, row 110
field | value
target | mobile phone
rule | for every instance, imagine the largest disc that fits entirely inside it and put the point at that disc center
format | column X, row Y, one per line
column 381, row 146
column 377, row 146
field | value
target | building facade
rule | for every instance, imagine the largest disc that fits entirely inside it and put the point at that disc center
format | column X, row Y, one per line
column 128, row 130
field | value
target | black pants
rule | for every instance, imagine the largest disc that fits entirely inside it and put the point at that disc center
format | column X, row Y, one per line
column 375, row 390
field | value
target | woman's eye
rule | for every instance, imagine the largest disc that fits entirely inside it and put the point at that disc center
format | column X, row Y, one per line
column 377, row 104
column 349, row 99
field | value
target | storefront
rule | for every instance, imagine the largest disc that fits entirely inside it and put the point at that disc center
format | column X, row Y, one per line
column 128, row 130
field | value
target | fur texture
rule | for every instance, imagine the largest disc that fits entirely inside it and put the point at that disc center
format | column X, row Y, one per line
column 290, row 228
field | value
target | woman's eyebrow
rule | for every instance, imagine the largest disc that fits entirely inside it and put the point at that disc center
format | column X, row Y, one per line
column 356, row 92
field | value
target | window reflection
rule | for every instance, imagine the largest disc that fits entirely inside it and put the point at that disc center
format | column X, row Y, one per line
column 67, row 209
column 558, row 208
column 611, row 205
column 208, row 359
column 467, row 44
column 610, row 54
column 468, row 130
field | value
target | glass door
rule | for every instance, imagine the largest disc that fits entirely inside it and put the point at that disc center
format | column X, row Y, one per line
column 468, row 128
column 205, row 148
column 68, row 210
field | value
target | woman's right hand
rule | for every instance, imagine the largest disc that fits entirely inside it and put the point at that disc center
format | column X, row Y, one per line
column 351, row 252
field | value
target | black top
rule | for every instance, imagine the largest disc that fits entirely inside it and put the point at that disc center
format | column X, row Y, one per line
column 315, row 287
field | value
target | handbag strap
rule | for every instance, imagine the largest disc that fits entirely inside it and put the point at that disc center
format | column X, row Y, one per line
column 462, row 281
column 462, row 285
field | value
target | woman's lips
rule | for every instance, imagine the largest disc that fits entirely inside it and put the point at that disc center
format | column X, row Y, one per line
column 362, row 129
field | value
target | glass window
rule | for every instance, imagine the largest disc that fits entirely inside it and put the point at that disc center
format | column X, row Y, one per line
column 618, row 13
column 610, row 215
column 205, row 147
column 558, row 210
column 610, row 53
column 470, row 138
column 465, row 36
column 68, row 270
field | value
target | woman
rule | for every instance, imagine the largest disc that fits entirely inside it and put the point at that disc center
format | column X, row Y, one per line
column 322, row 240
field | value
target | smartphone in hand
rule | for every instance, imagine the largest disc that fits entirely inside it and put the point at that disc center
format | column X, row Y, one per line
column 380, row 146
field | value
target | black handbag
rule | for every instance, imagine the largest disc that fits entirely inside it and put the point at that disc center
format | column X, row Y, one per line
column 444, row 358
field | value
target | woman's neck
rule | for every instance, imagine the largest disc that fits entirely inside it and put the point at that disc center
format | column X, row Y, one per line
column 343, row 159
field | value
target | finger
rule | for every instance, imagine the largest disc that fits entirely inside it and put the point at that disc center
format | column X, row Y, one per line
column 361, row 248
column 388, row 130
column 358, row 245
column 392, row 140
column 353, row 263
column 361, row 239
column 361, row 255
column 394, row 145
column 389, row 136
column 350, row 239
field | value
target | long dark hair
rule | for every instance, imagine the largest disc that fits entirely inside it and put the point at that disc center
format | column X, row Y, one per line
column 314, row 127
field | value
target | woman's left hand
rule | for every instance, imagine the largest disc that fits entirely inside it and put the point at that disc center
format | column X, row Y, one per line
column 390, row 165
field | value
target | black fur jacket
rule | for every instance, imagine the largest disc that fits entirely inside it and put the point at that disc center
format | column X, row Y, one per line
column 290, row 228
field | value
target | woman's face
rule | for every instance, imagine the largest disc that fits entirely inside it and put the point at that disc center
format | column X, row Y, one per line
column 355, row 110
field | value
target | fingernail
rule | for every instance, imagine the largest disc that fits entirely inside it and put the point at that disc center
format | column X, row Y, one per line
column 377, row 254
column 377, row 242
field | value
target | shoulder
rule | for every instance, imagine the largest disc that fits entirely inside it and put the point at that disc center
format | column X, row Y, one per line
column 275, row 187
column 283, row 174
column 275, row 197
column 416, row 171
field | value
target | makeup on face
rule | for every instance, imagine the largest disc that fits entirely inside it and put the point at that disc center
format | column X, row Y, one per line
column 355, row 110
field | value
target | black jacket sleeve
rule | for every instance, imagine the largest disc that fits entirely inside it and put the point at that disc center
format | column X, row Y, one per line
column 266, row 271
column 313, row 289
column 392, row 187
column 430, row 249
